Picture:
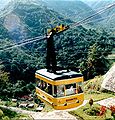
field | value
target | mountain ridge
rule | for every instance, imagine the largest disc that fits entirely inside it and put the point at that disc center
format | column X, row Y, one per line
column 75, row 10
column 20, row 13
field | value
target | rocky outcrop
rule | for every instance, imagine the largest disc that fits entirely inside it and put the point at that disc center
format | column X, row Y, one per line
column 109, row 80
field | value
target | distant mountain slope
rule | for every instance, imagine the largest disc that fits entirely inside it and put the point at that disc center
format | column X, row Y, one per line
column 29, row 19
column 100, row 3
column 3, row 31
column 107, row 23
column 73, row 9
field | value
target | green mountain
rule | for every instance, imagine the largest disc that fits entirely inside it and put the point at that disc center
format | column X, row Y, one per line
column 108, row 15
column 75, row 9
column 100, row 3
column 29, row 20
column 3, row 31
column 74, row 48
column 108, row 23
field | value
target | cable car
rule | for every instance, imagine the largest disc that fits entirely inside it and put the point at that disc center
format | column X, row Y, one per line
column 62, row 89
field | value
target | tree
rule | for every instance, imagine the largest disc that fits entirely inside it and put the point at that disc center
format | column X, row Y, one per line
column 1, row 113
column 96, row 62
column 4, row 78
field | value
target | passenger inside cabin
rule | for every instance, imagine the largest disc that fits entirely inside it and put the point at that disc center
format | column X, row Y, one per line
column 70, row 89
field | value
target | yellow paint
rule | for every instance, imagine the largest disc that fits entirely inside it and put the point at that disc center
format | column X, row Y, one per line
column 58, row 103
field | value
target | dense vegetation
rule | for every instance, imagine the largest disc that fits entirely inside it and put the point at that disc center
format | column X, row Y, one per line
column 76, row 48
column 3, row 31
column 7, row 114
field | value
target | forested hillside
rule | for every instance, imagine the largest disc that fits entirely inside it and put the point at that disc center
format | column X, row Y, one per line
column 79, row 47
column 29, row 20
column 75, row 10
column 3, row 31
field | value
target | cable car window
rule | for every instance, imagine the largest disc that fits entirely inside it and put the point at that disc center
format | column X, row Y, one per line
column 59, row 90
column 79, row 87
column 38, row 83
column 70, row 89
column 46, row 87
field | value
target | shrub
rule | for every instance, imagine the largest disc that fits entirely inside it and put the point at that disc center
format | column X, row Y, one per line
column 7, row 103
column 1, row 113
column 8, row 112
column 94, row 111
column 103, row 110
column 5, row 118
column 36, row 100
column 112, row 108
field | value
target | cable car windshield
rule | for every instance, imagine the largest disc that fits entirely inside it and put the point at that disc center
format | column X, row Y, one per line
column 69, row 89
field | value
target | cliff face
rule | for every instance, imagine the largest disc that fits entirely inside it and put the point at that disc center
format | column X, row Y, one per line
column 109, row 80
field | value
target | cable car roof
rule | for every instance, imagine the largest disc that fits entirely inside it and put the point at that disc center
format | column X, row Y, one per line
column 63, row 74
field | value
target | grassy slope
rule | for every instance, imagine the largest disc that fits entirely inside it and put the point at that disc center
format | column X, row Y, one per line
column 92, row 90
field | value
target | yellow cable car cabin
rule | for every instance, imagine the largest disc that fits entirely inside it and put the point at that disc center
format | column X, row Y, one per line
column 63, row 90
